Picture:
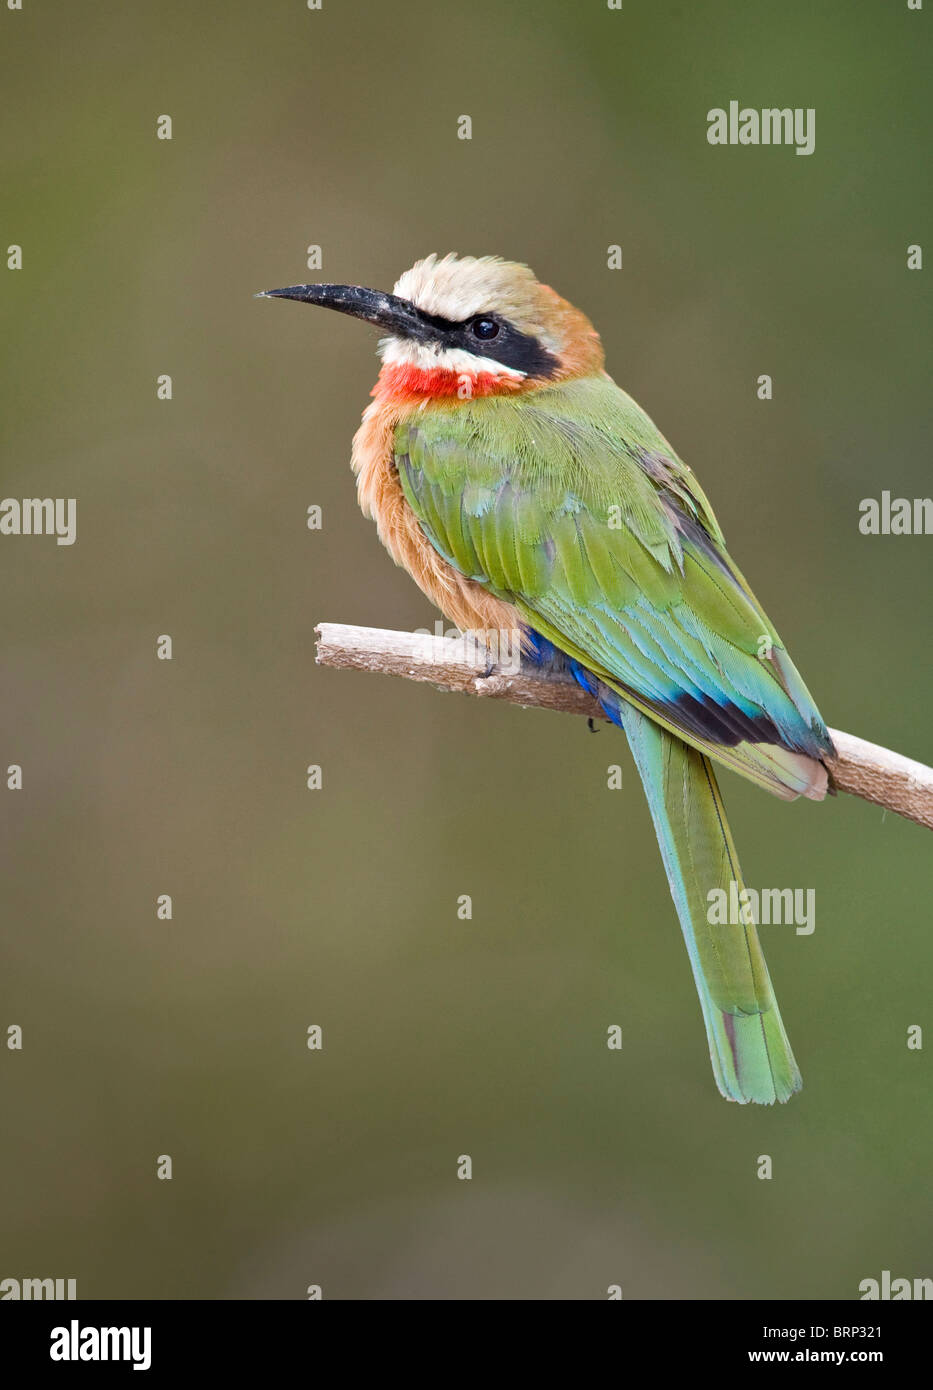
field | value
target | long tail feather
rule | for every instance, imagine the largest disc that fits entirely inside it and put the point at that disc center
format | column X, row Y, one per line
column 751, row 1056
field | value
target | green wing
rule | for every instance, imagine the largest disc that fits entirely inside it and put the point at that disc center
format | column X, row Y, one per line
column 568, row 503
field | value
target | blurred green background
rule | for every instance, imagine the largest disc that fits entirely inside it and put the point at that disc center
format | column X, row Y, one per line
column 338, row 907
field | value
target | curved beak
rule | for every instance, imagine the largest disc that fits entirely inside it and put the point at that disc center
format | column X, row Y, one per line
column 387, row 311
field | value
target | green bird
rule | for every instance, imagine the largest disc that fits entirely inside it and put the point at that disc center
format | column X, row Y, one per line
column 527, row 494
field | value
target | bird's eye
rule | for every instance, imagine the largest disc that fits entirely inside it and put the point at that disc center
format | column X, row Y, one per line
column 484, row 328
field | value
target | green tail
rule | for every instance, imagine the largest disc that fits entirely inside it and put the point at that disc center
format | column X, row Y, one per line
column 751, row 1056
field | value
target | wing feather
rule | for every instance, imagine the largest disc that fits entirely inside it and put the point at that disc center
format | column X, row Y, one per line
column 570, row 505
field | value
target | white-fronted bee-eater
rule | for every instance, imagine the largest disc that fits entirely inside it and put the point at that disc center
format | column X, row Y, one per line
column 522, row 489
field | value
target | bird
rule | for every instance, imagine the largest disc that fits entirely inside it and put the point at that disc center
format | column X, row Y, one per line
column 526, row 492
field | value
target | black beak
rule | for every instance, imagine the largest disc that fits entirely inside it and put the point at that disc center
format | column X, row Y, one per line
column 387, row 311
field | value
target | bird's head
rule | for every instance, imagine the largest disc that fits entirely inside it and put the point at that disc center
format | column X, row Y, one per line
column 481, row 320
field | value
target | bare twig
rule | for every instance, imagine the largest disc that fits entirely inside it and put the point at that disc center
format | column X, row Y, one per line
column 457, row 663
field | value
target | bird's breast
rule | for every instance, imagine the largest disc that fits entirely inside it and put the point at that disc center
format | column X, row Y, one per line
column 462, row 600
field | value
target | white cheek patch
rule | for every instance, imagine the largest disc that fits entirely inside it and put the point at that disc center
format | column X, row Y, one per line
column 402, row 352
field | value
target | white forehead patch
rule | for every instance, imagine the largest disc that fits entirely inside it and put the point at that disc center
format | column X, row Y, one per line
column 459, row 288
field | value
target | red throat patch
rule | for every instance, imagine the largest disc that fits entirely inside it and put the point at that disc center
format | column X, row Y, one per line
column 410, row 383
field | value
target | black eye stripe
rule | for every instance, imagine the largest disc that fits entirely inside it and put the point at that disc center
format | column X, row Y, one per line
column 443, row 325
column 508, row 345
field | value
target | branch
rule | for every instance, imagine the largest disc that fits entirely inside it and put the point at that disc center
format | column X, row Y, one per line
column 460, row 664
